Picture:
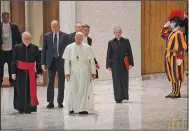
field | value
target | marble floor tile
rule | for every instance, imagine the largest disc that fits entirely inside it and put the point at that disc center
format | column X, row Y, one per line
column 146, row 109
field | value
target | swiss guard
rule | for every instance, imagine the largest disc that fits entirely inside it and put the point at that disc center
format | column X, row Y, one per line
column 174, row 52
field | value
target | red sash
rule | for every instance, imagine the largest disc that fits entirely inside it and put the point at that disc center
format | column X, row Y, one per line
column 126, row 61
column 31, row 68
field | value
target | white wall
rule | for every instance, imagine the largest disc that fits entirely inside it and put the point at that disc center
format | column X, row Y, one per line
column 102, row 16
column 67, row 16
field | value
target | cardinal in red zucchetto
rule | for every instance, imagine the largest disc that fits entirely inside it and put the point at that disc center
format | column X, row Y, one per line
column 174, row 52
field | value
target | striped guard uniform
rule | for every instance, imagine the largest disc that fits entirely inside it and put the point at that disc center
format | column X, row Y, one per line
column 175, row 44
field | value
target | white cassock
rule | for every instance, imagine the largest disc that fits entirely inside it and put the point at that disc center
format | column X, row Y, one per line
column 79, row 63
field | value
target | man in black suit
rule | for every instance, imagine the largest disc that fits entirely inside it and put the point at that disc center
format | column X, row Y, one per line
column 51, row 59
column 78, row 28
column 118, row 49
column 88, row 40
column 9, row 37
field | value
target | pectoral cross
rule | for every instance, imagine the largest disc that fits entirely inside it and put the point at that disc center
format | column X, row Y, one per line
column 77, row 58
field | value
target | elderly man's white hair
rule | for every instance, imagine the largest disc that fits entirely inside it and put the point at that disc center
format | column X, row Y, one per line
column 117, row 27
column 26, row 34
column 79, row 33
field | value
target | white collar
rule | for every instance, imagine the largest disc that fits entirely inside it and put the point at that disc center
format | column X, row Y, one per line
column 6, row 24
column 55, row 33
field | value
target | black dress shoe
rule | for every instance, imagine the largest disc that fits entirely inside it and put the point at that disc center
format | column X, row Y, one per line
column 71, row 112
column 60, row 105
column 50, row 106
column 83, row 112
column 21, row 112
column 118, row 101
column 27, row 112
column 176, row 97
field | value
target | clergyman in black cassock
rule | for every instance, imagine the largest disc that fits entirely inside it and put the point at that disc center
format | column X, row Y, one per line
column 25, row 60
column 118, row 48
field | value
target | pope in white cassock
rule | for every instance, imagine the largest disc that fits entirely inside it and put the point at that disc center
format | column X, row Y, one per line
column 80, row 71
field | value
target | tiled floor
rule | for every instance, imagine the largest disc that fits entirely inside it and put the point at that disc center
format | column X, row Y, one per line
column 146, row 109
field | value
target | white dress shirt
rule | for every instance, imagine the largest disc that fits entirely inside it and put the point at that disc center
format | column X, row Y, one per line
column 85, row 40
column 6, row 37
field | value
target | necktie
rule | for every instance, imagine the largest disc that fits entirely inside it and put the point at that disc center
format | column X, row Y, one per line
column 55, row 46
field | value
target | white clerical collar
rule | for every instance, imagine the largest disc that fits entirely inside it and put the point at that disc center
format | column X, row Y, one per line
column 27, row 44
column 118, row 39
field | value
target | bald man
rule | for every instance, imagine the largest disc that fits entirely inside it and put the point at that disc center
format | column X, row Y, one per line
column 80, row 70
column 26, row 58
column 78, row 28
column 51, row 59
column 118, row 49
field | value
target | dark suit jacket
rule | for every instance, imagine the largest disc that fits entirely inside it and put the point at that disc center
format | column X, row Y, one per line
column 47, row 49
column 114, row 55
column 89, row 40
column 16, row 35
column 185, row 25
column 72, row 37
column 90, row 43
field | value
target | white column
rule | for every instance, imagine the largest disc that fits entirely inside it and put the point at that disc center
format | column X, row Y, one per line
column 67, row 16
column 28, row 15
column 5, row 7
column 34, row 20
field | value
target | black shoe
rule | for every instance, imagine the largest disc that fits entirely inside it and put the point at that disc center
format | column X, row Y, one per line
column 21, row 112
column 176, row 97
column 71, row 112
column 27, row 112
column 60, row 105
column 83, row 112
column 50, row 106
column 118, row 101
column 187, row 74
